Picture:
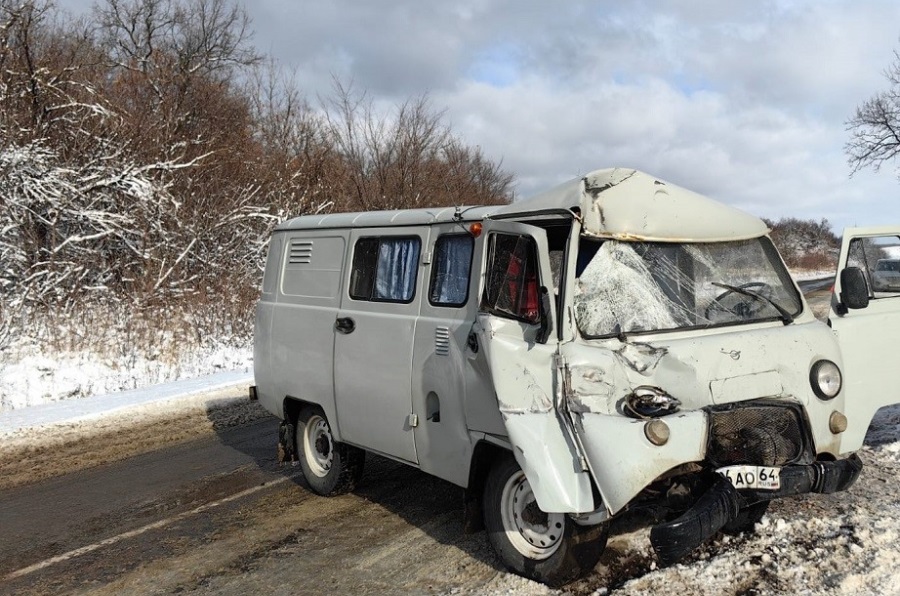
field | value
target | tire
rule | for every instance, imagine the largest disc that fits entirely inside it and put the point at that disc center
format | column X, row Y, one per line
column 545, row 547
column 329, row 467
column 746, row 518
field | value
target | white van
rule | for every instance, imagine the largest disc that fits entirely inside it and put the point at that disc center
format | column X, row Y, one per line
column 616, row 343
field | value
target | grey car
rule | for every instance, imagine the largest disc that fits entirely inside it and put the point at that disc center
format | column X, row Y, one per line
column 886, row 277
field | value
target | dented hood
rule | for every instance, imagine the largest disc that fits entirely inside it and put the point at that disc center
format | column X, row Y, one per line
column 626, row 204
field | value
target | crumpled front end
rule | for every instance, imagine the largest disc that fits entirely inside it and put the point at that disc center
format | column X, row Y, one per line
column 685, row 460
column 709, row 403
column 627, row 456
column 743, row 398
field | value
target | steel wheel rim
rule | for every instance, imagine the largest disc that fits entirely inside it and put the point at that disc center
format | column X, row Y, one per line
column 318, row 446
column 535, row 534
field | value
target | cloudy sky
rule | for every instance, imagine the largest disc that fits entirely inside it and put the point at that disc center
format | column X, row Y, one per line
column 744, row 101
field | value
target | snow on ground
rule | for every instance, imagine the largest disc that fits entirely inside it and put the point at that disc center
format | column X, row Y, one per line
column 806, row 275
column 846, row 543
column 134, row 404
column 892, row 251
column 29, row 376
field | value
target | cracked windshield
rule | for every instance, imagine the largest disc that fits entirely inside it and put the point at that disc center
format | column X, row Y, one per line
column 633, row 287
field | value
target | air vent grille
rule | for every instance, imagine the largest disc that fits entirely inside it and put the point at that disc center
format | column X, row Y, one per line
column 442, row 341
column 300, row 252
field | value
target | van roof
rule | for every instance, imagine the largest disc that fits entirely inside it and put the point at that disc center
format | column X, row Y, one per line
column 626, row 204
column 617, row 203
column 397, row 217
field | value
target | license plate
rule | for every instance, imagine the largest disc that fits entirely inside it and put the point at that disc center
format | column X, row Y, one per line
column 759, row 477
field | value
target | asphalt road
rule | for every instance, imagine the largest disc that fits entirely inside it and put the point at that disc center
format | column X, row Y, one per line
column 220, row 515
column 54, row 517
column 812, row 285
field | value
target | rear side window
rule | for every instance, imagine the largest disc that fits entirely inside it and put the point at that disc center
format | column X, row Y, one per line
column 272, row 259
column 512, row 282
column 450, row 270
column 384, row 269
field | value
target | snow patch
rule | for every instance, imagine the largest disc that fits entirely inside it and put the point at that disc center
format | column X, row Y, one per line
column 30, row 377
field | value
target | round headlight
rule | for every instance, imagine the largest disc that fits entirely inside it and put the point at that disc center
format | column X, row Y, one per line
column 825, row 378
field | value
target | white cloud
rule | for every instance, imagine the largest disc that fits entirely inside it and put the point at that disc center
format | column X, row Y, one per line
column 745, row 102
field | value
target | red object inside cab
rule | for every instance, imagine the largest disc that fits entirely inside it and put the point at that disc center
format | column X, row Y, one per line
column 520, row 275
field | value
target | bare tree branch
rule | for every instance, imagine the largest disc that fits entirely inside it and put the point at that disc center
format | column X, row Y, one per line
column 875, row 127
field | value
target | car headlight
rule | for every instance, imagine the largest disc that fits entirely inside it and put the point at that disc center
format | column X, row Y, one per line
column 825, row 378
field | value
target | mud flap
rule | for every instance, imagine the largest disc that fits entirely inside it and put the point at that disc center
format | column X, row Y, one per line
column 287, row 451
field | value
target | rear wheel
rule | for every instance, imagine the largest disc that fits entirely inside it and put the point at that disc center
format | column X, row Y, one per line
column 546, row 547
column 330, row 467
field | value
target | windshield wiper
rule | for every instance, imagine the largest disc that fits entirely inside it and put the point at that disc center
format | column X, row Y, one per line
column 786, row 317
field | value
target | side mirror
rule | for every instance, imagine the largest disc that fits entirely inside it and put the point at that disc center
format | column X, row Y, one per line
column 544, row 332
column 854, row 292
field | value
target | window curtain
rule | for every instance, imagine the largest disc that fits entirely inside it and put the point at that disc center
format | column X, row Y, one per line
column 453, row 260
column 395, row 277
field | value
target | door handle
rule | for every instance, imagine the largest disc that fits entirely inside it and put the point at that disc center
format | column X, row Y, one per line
column 344, row 325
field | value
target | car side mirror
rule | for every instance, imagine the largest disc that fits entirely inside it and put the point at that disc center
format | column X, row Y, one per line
column 544, row 332
column 854, row 292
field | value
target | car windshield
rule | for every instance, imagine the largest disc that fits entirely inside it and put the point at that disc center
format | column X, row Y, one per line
column 634, row 287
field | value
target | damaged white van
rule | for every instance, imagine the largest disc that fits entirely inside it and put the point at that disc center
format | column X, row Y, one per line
column 617, row 344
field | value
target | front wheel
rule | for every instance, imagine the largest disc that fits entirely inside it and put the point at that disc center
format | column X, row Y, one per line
column 546, row 547
column 330, row 468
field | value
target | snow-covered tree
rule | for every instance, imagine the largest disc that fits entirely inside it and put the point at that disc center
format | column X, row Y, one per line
column 147, row 152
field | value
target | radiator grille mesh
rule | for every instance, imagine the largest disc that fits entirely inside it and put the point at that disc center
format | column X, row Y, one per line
column 765, row 435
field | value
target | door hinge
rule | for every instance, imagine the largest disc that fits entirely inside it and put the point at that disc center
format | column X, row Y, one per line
column 412, row 420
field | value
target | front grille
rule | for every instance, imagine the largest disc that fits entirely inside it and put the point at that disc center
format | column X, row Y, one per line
column 762, row 434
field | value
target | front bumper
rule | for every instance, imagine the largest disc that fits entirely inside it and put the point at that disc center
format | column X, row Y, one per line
column 722, row 502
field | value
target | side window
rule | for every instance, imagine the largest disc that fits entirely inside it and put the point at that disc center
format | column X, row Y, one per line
column 450, row 268
column 879, row 258
column 384, row 269
column 511, row 284
column 273, row 258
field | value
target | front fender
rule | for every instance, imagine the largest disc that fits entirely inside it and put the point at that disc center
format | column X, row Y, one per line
column 622, row 459
column 549, row 463
column 525, row 381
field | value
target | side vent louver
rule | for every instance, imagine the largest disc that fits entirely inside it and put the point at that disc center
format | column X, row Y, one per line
column 442, row 341
column 300, row 252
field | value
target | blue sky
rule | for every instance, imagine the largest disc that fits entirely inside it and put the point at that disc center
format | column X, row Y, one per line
column 743, row 101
